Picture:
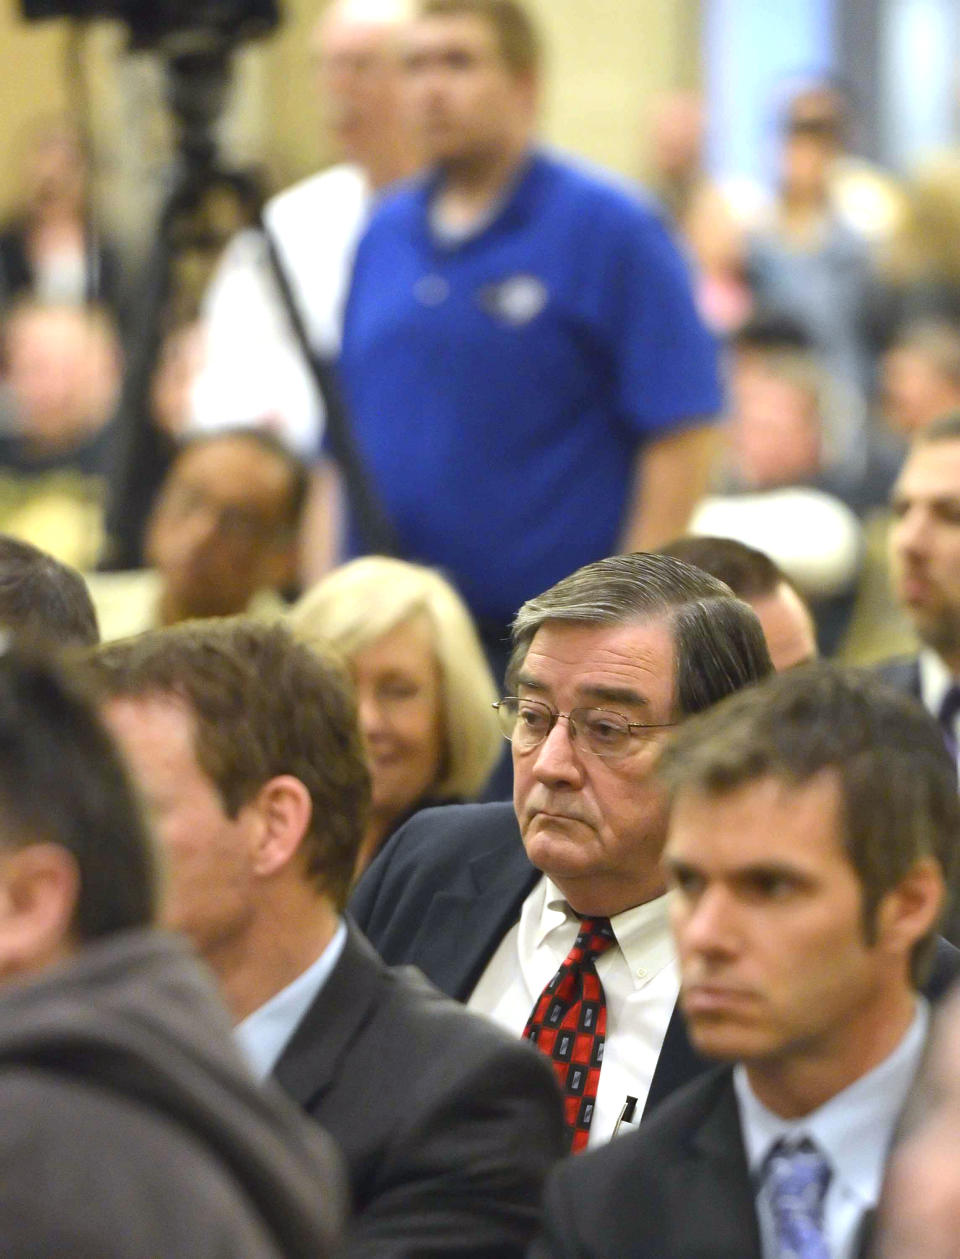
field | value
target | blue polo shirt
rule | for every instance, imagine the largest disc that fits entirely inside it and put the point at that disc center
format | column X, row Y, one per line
column 500, row 385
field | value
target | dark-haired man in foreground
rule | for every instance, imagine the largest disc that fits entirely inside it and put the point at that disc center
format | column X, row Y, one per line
column 128, row 1124
column 501, row 906
column 246, row 748
column 813, row 829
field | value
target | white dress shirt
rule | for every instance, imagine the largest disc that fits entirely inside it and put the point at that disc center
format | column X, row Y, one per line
column 935, row 680
column 853, row 1131
column 640, row 982
column 265, row 1034
column 254, row 371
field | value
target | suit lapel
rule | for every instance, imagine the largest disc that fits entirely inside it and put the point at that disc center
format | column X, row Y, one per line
column 678, row 1063
column 718, row 1217
column 472, row 916
column 310, row 1062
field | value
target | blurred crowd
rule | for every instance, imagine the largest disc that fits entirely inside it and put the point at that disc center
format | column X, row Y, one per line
column 461, row 417
column 835, row 294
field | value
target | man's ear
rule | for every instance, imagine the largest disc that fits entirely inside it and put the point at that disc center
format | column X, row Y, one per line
column 910, row 910
column 285, row 809
column 39, row 887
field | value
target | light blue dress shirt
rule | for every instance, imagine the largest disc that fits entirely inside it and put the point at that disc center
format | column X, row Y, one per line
column 853, row 1130
column 264, row 1034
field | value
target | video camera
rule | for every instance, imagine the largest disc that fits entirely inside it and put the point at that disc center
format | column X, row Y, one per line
column 153, row 22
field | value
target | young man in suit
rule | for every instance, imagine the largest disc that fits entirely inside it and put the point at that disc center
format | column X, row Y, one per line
column 813, row 830
column 246, row 749
column 491, row 901
column 925, row 565
column 129, row 1125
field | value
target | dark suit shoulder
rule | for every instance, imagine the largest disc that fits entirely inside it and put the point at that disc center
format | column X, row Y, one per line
column 902, row 672
column 669, row 1127
column 437, row 838
column 449, row 1125
column 425, row 855
column 440, row 1039
column 944, row 972
column 634, row 1198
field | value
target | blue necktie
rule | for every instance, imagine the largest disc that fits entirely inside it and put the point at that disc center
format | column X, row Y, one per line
column 796, row 1177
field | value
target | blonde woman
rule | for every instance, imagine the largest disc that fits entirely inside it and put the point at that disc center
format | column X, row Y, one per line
column 424, row 690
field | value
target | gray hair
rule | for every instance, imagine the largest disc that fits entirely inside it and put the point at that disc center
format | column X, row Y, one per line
column 718, row 641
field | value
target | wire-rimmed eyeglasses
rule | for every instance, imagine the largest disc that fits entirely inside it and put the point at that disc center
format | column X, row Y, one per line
column 527, row 723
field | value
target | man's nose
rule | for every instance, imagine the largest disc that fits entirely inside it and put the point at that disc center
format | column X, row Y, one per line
column 558, row 761
column 708, row 925
column 911, row 533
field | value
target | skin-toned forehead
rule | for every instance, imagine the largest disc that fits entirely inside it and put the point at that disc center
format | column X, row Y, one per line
column 234, row 464
column 931, row 468
column 154, row 715
column 692, row 833
column 435, row 32
column 787, row 626
column 635, row 656
column 371, row 19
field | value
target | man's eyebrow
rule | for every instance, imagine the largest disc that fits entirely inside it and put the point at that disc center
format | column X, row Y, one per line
column 903, row 499
column 600, row 694
column 616, row 695
column 531, row 683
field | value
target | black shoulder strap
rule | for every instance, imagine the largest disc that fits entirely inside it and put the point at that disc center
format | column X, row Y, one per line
column 374, row 526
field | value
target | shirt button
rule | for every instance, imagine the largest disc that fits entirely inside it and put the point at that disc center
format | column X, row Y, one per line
column 641, row 973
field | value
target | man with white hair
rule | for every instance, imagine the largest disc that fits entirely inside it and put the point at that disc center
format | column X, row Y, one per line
column 255, row 370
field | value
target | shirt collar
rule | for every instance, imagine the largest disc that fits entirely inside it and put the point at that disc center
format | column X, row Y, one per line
column 852, row 1130
column 517, row 201
column 935, row 680
column 643, row 932
column 263, row 1035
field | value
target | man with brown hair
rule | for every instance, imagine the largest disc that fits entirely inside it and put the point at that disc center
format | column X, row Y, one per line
column 128, row 1124
column 925, row 566
column 512, row 311
column 246, row 749
column 813, row 832
column 754, row 577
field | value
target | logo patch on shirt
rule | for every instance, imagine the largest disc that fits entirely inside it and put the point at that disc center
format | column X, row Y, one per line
column 431, row 290
column 516, row 301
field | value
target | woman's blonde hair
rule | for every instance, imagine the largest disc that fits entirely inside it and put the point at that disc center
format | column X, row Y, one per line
column 361, row 601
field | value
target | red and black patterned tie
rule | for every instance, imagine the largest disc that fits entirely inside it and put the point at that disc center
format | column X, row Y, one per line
column 569, row 1023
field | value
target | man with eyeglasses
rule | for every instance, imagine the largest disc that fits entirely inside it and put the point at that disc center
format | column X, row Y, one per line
column 221, row 538
column 551, row 917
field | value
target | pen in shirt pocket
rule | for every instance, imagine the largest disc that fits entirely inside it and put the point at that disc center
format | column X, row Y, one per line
column 626, row 1116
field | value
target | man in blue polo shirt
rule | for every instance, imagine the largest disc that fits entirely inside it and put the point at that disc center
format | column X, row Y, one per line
column 525, row 371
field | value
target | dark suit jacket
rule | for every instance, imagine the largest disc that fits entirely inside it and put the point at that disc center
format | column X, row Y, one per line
column 448, row 1125
column 448, row 886
column 444, row 892
column 903, row 673
column 678, row 1188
